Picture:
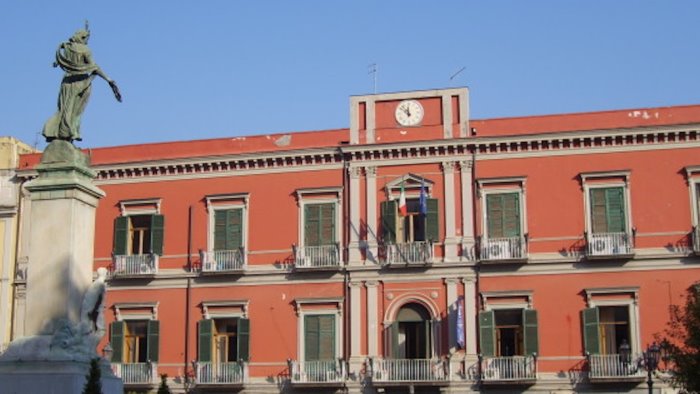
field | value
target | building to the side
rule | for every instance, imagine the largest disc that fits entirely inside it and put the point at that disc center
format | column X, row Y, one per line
column 10, row 207
column 418, row 250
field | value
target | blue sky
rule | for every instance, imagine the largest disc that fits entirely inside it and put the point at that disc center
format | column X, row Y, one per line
column 210, row 69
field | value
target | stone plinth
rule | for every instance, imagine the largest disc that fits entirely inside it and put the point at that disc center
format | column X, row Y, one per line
column 67, row 377
column 61, row 237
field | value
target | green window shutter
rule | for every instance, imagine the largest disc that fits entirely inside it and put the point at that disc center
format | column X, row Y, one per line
column 487, row 333
column 531, row 342
column 121, row 233
column 206, row 336
column 432, row 220
column 326, row 345
column 599, row 219
column 327, row 224
column 312, row 334
column 152, row 344
column 116, row 340
column 591, row 330
column 388, row 209
column 494, row 216
column 511, row 214
column 220, row 229
column 234, row 229
column 312, row 220
column 392, row 340
column 244, row 339
column 157, row 234
column 615, row 209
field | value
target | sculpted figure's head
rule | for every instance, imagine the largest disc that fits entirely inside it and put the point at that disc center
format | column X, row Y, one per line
column 81, row 36
column 102, row 273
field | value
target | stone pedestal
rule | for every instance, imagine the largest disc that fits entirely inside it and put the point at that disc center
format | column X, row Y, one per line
column 50, row 377
column 61, row 237
column 54, row 356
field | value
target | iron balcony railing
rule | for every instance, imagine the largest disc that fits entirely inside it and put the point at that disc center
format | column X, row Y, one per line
column 409, row 370
column 608, row 244
column 505, row 369
column 135, row 265
column 612, row 366
column 322, row 256
column 223, row 260
column 418, row 252
column 136, row 373
column 221, row 373
column 507, row 248
column 320, row 371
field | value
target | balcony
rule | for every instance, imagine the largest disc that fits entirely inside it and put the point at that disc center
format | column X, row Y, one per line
column 223, row 261
column 509, row 370
column 409, row 371
column 607, row 245
column 612, row 367
column 512, row 249
column 136, row 374
column 317, row 257
column 318, row 373
column 409, row 253
column 136, row 265
column 221, row 374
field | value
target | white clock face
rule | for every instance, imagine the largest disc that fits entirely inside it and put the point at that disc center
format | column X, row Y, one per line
column 409, row 113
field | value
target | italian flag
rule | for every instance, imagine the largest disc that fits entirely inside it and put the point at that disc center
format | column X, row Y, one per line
column 402, row 203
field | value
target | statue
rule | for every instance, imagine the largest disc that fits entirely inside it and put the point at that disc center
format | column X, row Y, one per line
column 66, row 340
column 75, row 58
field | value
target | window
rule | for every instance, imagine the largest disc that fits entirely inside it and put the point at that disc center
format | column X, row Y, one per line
column 608, row 224
column 504, row 224
column 226, row 243
column 319, row 337
column 415, row 226
column 319, row 224
column 610, row 320
column 135, row 341
column 508, row 332
column 138, row 235
column 409, row 337
column 224, row 340
column 503, row 215
column 693, row 176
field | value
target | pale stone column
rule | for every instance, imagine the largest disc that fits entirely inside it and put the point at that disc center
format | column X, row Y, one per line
column 470, row 313
column 61, row 237
column 355, row 254
column 372, row 323
column 372, row 236
column 356, row 356
column 451, row 241
column 451, row 285
column 468, row 242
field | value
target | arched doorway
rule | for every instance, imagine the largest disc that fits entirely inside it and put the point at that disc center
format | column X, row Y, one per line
column 411, row 333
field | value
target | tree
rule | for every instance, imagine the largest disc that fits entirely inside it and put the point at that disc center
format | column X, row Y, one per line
column 93, row 385
column 683, row 342
column 164, row 389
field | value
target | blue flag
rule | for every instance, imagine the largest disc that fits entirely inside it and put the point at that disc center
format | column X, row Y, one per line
column 423, row 201
column 460, row 322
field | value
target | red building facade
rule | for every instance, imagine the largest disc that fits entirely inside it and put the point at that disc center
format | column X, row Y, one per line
column 418, row 248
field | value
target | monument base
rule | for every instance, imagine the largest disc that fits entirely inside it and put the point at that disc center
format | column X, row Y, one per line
column 53, row 377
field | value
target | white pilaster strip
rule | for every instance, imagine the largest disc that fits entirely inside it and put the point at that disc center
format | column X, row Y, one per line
column 372, row 307
column 448, row 168
column 470, row 314
column 372, row 236
column 355, row 319
column 355, row 256
column 467, row 210
column 451, row 308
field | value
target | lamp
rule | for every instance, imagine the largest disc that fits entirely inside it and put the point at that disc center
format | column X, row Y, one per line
column 625, row 351
column 651, row 363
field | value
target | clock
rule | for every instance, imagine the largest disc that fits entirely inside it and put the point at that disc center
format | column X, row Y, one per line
column 409, row 113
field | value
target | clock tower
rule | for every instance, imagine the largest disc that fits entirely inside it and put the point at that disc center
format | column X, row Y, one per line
column 409, row 116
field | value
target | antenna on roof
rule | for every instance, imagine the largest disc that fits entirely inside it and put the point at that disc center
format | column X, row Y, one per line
column 459, row 71
column 374, row 69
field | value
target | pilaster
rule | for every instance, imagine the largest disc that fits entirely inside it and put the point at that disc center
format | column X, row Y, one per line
column 372, row 321
column 451, row 307
column 451, row 240
column 354, row 250
column 468, row 241
column 372, row 236
column 470, row 314
column 356, row 356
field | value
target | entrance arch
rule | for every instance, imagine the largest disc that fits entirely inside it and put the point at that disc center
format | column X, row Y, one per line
column 411, row 332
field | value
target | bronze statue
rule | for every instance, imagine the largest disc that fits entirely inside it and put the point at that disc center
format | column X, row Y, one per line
column 75, row 58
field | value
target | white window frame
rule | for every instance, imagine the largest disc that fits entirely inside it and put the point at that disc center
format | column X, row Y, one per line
column 126, row 311
column 140, row 207
column 306, row 197
column 596, row 298
column 693, row 176
column 303, row 311
column 614, row 181
column 486, row 295
column 490, row 186
column 230, row 201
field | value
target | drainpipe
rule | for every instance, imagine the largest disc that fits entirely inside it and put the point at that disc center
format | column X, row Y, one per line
column 188, row 294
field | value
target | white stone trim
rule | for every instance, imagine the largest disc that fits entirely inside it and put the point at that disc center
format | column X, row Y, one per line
column 209, row 309
column 500, row 186
column 304, row 198
column 527, row 294
column 613, row 180
column 233, row 201
column 125, row 210
column 692, row 173
column 372, row 216
column 470, row 315
column 125, row 310
column 372, row 321
column 451, row 289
